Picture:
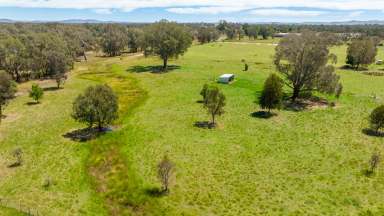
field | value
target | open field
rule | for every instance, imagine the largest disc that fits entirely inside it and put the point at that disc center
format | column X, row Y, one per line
column 298, row 163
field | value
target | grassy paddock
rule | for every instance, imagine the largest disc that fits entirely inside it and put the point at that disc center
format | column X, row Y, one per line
column 308, row 162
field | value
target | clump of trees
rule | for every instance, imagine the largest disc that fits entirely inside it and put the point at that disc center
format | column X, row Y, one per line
column 272, row 95
column 165, row 171
column 214, row 102
column 7, row 91
column 114, row 39
column 377, row 119
column 166, row 40
column 207, row 35
column 361, row 52
column 36, row 93
column 97, row 105
column 303, row 61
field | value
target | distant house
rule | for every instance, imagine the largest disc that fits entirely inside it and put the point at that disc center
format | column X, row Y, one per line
column 226, row 78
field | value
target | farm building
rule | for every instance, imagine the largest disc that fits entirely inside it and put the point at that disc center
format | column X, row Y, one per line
column 226, row 78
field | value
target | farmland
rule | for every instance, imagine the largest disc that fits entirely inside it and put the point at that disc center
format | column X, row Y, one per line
column 297, row 163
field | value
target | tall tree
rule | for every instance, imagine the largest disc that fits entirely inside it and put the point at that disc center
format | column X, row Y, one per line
column 361, row 52
column 135, row 36
column 14, row 59
column 114, row 39
column 167, row 40
column 207, row 34
column 303, row 59
column 98, row 105
column 7, row 90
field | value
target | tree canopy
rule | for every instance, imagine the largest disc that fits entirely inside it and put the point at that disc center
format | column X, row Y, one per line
column 272, row 94
column 303, row 60
column 97, row 105
column 166, row 40
column 7, row 90
column 361, row 52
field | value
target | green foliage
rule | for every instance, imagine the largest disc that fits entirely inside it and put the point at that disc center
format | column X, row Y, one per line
column 374, row 162
column 377, row 118
column 214, row 102
column 7, row 90
column 134, row 37
column 36, row 93
column 303, row 59
column 97, row 105
column 167, row 40
column 272, row 95
column 207, row 35
column 114, row 39
column 361, row 52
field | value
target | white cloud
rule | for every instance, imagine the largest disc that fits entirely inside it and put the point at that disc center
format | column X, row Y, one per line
column 102, row 11
column 128, row 5
column 205, row 10
column 286, row 13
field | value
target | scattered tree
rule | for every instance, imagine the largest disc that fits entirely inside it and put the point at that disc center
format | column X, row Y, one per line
column 7, row 91
column 361, row 52
column 114, row 39
column 303, row 59
column 272, row 94
column 36, row 93
column 214, row 102
column 377, row 118
column 167, row 40
column 97, row 105
column 207, row 34
column 164, row 173
column 374, row 163
column 339, row 90
column 60, row 80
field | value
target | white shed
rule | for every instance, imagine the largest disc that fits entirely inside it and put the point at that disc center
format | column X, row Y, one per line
column 226, row 78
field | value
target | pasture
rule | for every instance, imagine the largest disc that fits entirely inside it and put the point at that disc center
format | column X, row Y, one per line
column 297, row 163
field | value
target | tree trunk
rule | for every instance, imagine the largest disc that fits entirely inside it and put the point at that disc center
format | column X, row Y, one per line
column 100, row 127
column 1, row 113
column 296, row 93
column 213, row 120
column 165, row 64
column 85, row 56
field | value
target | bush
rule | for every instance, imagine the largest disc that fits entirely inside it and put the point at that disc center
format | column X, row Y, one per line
column 98, row 105
column 17, row 155
column 272, row 94
column 377, row 118
column 36, row 93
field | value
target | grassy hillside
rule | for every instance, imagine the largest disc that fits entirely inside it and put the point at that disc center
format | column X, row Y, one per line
column 308, row 162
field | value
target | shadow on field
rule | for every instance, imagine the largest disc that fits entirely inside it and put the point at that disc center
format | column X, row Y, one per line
column 155, row 192
column 84, row 135
column 204, row 125
column 152, row 69
column 370, row 132
column 263, row 115
column 32, row 103
column 52, row 88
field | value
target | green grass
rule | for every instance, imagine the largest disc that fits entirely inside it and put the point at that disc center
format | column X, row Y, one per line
column 298, row 163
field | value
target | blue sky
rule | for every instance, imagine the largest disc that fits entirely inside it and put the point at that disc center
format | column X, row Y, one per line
column 194, row 10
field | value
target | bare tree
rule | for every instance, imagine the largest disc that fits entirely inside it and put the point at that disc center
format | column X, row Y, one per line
column 164, row 173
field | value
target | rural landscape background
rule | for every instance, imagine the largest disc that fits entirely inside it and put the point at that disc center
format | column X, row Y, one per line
column 102, row 115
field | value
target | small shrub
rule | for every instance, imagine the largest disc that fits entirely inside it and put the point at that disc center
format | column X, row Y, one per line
column 17, row 155
column 36, row 93
column 47, row 182
column 60, row 80
column 214, row 102
column 165, row 172
column 377, row 118
column 373, row 163
column 272, row 94
column 339, row 90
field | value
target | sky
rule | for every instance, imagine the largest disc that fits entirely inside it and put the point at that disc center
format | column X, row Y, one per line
column 194, row 10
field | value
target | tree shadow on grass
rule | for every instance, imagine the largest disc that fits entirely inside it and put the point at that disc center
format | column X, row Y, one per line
column 263, row 115
column 370, row 132
column 51, row 89
column 152, row 69
column 84, row 135
column 204, row 125
column 155, row 192
column 32, row 103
